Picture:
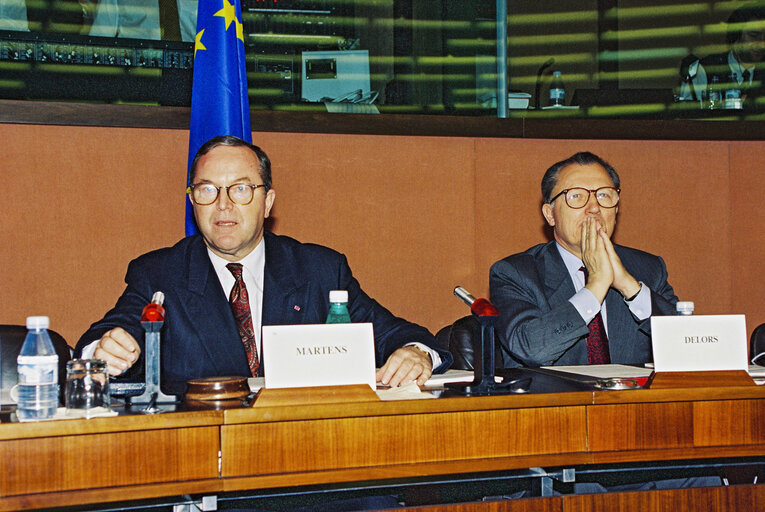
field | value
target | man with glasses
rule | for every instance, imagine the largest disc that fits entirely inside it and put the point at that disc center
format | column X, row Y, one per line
column 222, row 285
column 579, row 299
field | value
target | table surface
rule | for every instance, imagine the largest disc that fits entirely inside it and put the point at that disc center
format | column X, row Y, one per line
column 300, row 437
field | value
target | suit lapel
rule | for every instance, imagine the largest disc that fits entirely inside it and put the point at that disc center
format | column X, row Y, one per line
column 559, row 287
column 285, row 298
column 210, row 313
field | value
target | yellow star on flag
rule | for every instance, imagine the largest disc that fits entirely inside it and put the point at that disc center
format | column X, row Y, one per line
column 240, row 31
column 198, row 42
column 228, row 13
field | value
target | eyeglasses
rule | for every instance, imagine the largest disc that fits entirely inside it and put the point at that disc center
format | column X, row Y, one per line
column 607, row 197
column 206, row 193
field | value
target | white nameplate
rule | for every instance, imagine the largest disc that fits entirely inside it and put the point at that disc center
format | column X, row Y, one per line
column 699, row 342
column 318, row 355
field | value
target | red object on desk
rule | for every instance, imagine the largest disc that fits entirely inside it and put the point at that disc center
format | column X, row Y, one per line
column 153, row 313
column 483, row 307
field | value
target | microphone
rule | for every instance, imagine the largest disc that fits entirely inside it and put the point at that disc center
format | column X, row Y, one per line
column 549, row 62
column 479, row 307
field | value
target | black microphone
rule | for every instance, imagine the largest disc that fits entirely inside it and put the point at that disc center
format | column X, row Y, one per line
column 549, row 62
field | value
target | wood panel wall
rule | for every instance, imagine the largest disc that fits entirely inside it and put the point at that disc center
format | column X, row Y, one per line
column 415, row 215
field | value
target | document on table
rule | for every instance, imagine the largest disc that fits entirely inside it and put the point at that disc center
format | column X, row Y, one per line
column 604, row 371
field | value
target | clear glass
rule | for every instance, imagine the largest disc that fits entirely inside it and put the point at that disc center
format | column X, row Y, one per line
column 620, row 59
column 87, row 387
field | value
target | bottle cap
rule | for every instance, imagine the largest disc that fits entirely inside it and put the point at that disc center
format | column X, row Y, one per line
column 158, row 298
column 685, row 307
column 556, row 73
column 338, row 296
column 38, row 322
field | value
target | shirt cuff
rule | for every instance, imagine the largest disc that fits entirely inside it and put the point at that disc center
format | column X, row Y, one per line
column 435, row 358
column 640, row 306
column 89, row 350
column 586, row 304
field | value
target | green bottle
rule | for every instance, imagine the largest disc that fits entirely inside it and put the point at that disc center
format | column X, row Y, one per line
column 338, row 307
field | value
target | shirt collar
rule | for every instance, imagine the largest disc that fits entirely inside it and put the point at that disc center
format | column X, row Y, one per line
column 253, row 263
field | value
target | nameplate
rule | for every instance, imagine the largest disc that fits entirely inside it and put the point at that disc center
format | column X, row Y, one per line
column 699, row 342
column 318, row 355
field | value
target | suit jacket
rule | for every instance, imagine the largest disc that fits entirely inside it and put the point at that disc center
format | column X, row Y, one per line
column 539, row 326
column 199, row 335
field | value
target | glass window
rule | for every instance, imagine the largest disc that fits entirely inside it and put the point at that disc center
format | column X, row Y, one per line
column 662, row 59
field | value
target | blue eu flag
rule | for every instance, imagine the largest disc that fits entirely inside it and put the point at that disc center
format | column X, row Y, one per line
column 219, row 104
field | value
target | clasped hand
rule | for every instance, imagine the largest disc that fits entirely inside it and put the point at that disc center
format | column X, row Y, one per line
column 603, row 264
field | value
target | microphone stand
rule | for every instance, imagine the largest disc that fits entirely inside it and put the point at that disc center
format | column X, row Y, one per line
column 537, row 89
column 484, row 382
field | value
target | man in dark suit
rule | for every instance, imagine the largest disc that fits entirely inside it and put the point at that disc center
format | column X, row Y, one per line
column 579, row 299
column 286, row 283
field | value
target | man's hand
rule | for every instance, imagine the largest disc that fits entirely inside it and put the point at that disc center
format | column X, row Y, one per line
column 119, row 349
column 405, row 365
column 596, row 258
column 624, row 283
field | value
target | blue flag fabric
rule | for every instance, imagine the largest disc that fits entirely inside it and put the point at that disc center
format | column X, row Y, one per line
column 219, row 103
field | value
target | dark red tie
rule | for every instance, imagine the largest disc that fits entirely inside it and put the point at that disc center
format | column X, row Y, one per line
column 597, row 340
column 240, row 306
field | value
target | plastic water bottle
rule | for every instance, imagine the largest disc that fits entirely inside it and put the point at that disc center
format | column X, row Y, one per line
column 557, row 90
column 38, row 373
column 338, row 307
column 733, row 94
column 684, row 308
column 714, row 94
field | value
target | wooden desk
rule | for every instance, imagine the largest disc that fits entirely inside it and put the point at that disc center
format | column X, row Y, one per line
column 269, row 446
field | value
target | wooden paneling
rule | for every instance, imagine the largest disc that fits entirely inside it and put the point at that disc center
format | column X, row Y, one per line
column 268, row 448
column 640, row 426
column 728, row 423
column 530, row 505
column 90, row 461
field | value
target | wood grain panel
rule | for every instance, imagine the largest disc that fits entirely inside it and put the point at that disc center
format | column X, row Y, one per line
column 102, row 460
column 729, row 422
column 530, row 505
column 640, row 426
column 385, row 440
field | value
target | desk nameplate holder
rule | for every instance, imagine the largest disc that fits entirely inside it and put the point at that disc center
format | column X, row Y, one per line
column 484, row 382
column 699, row 379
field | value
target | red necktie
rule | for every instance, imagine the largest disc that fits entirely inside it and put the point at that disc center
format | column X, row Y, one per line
column 597, row 340
column 240, row 306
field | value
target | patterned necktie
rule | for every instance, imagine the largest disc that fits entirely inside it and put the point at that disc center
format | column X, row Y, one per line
column 597, row 341
column 240, row 306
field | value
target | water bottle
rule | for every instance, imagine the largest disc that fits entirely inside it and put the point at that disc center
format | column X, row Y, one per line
column 714, row 94
column 557, row 91
column 733, row 94
column 38, row 373
column 684, row 308
column 338, row 307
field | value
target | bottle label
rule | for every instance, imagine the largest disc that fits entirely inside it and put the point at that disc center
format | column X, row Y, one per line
column 557, row 94
column 34, row 370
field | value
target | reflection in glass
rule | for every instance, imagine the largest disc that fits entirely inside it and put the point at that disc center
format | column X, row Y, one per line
column 618, row 58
